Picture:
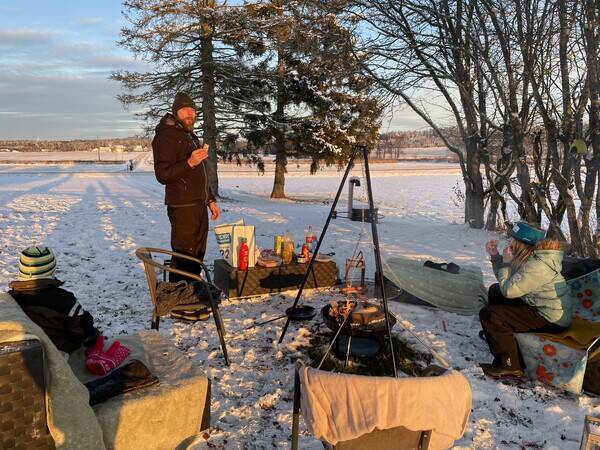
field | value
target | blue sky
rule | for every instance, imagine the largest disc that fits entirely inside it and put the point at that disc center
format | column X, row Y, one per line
column 56, row 57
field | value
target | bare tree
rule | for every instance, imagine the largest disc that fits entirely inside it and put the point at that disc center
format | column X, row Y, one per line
column 426, row 46
column 592, row 57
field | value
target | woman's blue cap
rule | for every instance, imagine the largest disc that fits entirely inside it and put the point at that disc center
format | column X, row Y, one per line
column 524, row 232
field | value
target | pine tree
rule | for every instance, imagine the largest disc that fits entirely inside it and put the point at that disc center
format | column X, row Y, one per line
column 186, row 45
column 313, row 101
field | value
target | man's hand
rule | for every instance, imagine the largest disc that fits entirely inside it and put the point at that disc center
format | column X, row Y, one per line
column 215, row 212
column 491, row 247
column 507, row 255
column 198, row 155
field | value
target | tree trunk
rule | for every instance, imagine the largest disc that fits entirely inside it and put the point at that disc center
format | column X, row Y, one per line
column 492, row 215
column 280, row 140
column 592, row 30
column 474, row 208
column 529, row 212
column 209, row 121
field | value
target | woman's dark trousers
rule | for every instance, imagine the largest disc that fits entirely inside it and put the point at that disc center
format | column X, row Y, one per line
column 502, row 318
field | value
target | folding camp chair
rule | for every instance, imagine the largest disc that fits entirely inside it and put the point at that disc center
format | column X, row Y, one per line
column 393, row 438
column 150, row 267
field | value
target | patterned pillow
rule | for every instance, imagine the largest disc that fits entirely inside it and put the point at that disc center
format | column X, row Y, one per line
column 586, row 296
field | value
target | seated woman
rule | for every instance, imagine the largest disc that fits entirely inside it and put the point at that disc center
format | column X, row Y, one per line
column 531, row 296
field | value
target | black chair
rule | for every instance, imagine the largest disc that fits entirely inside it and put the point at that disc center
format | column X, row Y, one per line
column 146, row 254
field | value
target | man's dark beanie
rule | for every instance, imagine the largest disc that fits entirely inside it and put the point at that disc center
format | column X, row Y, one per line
column 181, row 101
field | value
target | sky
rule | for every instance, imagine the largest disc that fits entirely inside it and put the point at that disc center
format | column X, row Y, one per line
column 56, row 59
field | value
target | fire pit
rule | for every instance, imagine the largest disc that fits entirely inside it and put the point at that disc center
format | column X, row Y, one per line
column 366, row 319
column 359, row 347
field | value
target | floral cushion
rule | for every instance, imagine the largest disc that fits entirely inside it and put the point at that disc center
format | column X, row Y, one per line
column 586, row 296
column 555, row 363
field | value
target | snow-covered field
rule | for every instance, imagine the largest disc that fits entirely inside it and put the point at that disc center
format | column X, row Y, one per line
column 94, row 222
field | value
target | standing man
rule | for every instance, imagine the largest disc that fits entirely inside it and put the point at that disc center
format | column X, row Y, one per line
column 179, row 165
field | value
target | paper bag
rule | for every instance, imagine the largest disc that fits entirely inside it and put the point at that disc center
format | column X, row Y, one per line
column 224, row 235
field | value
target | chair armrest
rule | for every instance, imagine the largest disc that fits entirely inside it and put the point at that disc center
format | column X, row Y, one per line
column 177, row 255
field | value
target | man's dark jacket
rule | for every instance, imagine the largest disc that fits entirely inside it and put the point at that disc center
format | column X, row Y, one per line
column 56, row 311
column 171, row 146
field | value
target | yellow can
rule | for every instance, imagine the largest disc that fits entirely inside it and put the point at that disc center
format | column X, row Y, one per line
column 277, row 244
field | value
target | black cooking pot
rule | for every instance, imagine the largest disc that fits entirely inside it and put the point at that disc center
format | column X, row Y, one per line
column 365, row 328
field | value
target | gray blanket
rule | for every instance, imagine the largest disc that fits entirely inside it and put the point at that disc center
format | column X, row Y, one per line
column 462, row 293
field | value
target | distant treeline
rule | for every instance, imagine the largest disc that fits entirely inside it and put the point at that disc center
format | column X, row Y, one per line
column 390, row 144
column 79, row 145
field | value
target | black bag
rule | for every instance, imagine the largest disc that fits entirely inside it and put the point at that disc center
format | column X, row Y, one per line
column 591, row 380
column 127, row 378
column 446, row 267
column 169, row 295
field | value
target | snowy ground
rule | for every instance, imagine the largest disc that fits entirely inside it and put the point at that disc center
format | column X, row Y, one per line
column 94, row 222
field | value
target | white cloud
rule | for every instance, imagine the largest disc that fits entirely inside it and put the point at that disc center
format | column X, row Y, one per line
column 25, row 35
column 63, row 107
column 89, row 20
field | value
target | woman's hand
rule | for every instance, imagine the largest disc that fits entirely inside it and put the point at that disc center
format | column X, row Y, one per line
column 507, row 255
column 491, row 247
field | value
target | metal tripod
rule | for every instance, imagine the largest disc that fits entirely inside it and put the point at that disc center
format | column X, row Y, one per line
column 379, row 273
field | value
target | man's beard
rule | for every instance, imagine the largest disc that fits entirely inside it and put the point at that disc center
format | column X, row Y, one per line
column 188, row 124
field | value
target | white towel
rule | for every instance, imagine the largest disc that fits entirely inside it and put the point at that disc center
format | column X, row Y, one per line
column 339, row 407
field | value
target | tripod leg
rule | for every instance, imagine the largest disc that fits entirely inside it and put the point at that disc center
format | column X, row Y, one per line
column 348, row 351
column 378, row 268
column 312, row 260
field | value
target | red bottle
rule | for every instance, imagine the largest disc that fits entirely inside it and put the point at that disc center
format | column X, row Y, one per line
column 306, row 252
column 243, row 255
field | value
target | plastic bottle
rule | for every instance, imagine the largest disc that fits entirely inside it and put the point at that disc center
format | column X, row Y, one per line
column 310, row 239
column 243, row 255
column 287, row 252
column 306, row 252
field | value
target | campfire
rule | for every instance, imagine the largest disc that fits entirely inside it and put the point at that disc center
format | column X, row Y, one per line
column 364, row 318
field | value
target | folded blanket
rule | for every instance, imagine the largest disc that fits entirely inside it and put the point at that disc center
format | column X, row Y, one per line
column 340, row 407
column 71, row 420
column 580, row 334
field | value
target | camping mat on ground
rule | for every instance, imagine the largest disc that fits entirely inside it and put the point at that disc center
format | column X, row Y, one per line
column 462, row 293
